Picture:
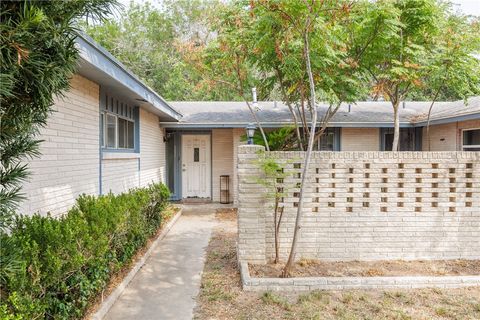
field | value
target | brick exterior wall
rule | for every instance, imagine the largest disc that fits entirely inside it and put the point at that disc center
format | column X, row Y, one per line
column 152, row 150
column 366, row 205
column 222, row 160
column 237, row 141
column 447, row 137
column 360, row 139
column 69, row 161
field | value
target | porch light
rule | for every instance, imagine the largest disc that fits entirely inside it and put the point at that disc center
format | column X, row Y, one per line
column 250, row 132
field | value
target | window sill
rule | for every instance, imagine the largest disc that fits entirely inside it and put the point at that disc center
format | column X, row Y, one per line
column 120, row 155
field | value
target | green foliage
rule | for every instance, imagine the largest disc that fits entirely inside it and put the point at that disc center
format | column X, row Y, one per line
column 417, row 43
column 37, row 58
column 281, row 139
column 66, row 261
column 162, row 45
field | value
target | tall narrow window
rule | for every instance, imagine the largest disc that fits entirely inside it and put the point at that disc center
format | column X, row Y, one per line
column 102, row 128
column 125, row 134
column 111, row 131
column 327, row 140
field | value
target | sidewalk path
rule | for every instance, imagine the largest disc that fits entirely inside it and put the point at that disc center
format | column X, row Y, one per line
column 168, row 283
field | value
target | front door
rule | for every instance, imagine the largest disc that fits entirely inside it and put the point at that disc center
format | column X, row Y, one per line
column 196, row 176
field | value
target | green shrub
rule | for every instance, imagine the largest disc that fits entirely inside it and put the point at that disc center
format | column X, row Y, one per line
column 66, row 261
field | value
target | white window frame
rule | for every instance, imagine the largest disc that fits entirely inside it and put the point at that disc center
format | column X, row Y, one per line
column 105, row 114
column 473, row 146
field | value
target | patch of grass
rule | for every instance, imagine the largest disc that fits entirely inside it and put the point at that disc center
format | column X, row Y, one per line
column 347, row 298
column 441, row 311
column 313, row 297
column 213, row 292
column 272, row 298
column 476, row 307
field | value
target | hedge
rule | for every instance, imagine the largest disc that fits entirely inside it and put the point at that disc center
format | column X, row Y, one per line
column 65, row 262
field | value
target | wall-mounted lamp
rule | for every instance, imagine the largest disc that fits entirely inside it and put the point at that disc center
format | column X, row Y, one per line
column 250, row 132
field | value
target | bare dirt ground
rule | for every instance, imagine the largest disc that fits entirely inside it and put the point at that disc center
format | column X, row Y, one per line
column 313, row 268
column 221, row 296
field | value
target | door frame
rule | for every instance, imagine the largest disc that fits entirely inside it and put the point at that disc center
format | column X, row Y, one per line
column 177, row 194
column 187, row 174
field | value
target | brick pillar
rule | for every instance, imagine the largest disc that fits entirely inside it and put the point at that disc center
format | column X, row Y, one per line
column 251, row 205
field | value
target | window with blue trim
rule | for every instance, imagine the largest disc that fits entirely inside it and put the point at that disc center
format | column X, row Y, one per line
column 117, row 120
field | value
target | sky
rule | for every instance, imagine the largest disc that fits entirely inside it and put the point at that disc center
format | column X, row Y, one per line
column 469, row 7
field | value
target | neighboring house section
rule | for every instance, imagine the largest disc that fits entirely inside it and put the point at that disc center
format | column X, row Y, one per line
column 364, row 126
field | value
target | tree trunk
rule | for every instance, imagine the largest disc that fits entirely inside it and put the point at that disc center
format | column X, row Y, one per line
column 430, row 112
column 275, row 228
column 396, row 126
column 298, row 221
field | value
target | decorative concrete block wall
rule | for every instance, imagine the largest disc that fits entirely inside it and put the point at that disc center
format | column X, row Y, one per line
column 365, row 205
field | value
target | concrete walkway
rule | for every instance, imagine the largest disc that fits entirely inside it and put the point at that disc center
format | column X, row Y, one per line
column 168, row 283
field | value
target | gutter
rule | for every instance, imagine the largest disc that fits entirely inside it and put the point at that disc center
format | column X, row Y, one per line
column 281, row 124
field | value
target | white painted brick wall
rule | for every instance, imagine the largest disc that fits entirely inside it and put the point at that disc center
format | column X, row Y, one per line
column 152, row 150
column 120, row 175
column 222, row 160
column 367, row 205
column 68, row 165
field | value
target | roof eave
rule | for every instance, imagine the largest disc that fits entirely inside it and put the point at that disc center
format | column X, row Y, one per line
column 445, row 120
column 92, row 53
column 280, row 125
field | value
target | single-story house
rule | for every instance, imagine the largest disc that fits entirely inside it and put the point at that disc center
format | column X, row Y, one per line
column 111, row 132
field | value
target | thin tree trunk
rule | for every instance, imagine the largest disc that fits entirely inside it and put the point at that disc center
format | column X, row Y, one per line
column 298, row 221
column 259, row 125
column 275, row 225
column 396, row 125
column 241, row 93
column 292, row 111
column 240, row 90
column 430, row 112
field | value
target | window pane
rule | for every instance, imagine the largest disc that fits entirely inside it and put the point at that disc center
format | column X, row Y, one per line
column 471, row 149
column 111, row 126
column 131, row 135
column 326, row 141
column 471, row 137
column 122, row 131
column 102, row 128
column 196, row 154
